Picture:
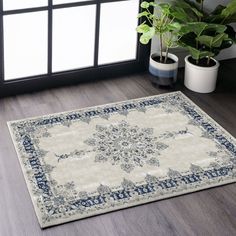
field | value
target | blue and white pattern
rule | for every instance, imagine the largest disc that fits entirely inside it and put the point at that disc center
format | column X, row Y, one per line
column 125, row 145
column 115, row 144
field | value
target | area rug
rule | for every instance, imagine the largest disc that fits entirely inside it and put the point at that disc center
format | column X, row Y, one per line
column 96, row 160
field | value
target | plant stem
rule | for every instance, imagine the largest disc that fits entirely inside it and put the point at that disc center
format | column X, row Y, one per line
column 202, row 5
column 201, row 8
column 150, row 22
column 161, row 48
column 167, row 52
column 208, row 60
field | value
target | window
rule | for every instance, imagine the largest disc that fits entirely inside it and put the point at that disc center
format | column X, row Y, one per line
column 21, row 4
column 73, row 43
column 25, row 44
column 48, row 42
column 118, row 39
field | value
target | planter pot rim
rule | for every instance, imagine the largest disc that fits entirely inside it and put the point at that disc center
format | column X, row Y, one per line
column 170, row 56
column 163, row 66
column 202, row 67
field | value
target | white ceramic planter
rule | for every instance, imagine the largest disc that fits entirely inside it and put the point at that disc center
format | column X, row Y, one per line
column 165, row 74
column 200, row 79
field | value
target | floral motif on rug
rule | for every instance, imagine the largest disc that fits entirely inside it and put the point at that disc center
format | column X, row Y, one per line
column 99, row 159
column 126, row 145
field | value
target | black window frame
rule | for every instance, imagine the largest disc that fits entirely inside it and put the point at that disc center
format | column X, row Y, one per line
column 51, row 79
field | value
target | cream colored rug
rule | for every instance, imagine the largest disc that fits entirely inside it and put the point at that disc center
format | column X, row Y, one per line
column 95, row 160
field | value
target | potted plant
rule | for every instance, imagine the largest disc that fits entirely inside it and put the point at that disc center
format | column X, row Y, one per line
column 204, row 35
column 158, row 22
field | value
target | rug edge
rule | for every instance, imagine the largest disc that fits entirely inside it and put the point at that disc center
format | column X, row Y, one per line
column 90, row 107
column 140, row 203
column 208, row 116
column 28, row 186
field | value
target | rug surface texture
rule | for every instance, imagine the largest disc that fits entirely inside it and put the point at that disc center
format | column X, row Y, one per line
column 99, row 159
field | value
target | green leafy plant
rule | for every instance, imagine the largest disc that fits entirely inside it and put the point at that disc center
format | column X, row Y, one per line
column 204, row 34
column 158, row 22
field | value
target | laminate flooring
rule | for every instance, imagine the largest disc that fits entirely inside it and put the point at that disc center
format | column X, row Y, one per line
column 208, row 212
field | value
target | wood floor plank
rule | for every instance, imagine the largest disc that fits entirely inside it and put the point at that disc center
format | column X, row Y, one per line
column 209, row 212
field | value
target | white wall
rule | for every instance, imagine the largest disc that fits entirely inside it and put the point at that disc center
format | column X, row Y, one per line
column 181, row 53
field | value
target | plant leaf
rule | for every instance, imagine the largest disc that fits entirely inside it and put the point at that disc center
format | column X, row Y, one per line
column 165, row 8
column 197, row 54
column 217, row 28
column 147, row 36
column 145, row 5
column 144, row 13
column 186, row 9
column 218, row 39
column 195, row 27
column 223, row 14
column 143, row 28
column 230, row 9
column 173, row 26
column 153, row 4
column 210, row 41
column 205, row 40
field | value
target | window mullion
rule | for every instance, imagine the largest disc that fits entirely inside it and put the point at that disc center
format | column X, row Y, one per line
column 50, row 19
column 98, row 9
column 1, row 45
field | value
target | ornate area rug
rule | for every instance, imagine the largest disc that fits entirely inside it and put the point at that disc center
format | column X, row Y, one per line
column 95, row 160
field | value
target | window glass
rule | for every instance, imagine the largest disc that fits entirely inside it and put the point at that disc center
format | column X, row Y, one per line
column 20, row 4
column 118, row 37
column 66, row 1
column 25, row 44
column 73, row 37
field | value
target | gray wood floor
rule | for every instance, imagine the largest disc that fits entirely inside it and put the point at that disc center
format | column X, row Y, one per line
column 209, row 212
